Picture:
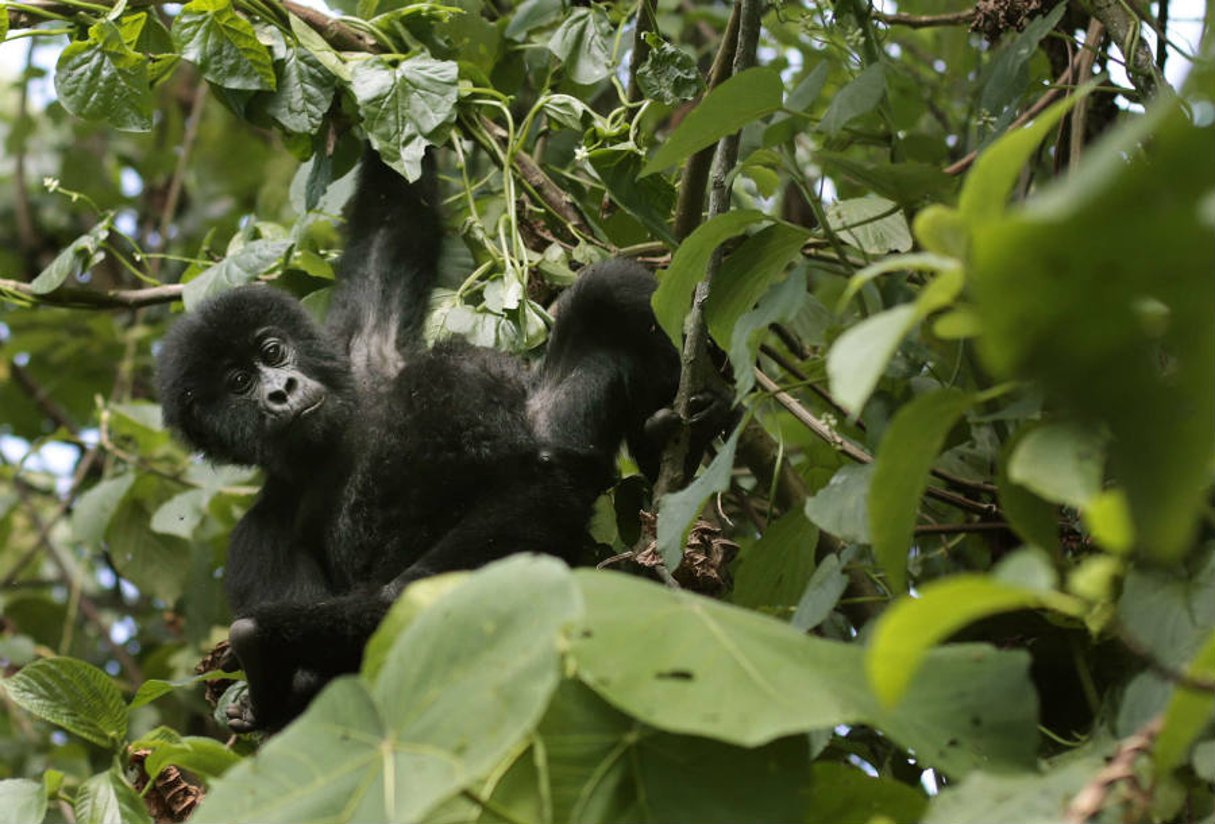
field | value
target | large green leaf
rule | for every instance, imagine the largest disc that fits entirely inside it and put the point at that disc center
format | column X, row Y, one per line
column 462, row 684
column 81, row 255
column 605, row 766
column 583, row 44
column 23, row 801
column 1033, row 798
column 102, row 78
column 859, row 97
column 781, row 303
column 912, row 626
column 106, row 798
column 405, row 107
column 873, row 224
column 74, row 695
column 904, row 457
column 842, row 794
column 842, row 506
column 223, row 45
column 716, row 670
column 858, row 357
column 677, row 283
column 743, row 98
column 95, row 509
column 304, row 91
column 1061, row 462
column 237, row 269
column 669, row 74
column 1126, row 340
column 773, row 571
column 747, row 273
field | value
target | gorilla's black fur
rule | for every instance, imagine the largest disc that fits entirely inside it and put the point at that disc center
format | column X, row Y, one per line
column 386, row 461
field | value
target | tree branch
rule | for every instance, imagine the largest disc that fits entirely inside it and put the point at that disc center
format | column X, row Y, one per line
column 78, row 298
column 697, row 373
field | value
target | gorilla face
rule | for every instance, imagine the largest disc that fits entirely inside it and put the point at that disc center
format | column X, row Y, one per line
column 248, row 378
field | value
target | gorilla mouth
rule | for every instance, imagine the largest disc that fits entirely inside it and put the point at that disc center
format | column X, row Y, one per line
column 309, row 410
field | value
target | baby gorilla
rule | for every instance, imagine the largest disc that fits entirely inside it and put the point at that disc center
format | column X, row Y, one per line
column 386, row 461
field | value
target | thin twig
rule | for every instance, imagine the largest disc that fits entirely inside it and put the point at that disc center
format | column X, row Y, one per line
column 854, row 452
column 27, row 235
column 1029, row 114
column 697, row 373
column 1084, row 70
column 924, row 21
column 41, row 398
column 962, row 529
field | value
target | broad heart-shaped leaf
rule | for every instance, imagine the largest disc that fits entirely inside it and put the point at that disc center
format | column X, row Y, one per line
column 404, row 106
column 337, row 763
column 1061, row 462
column 1127, row 339
column 305, row 90
column 678, row 510
column 604, row 766
column 861, row 96
column 237, row 269
column 912, row 626
column 74, row 695
column 223, row 45
column 746, row 275
column 909, row 446
column 481, row 663
column 95, row 508
column 708, row 668
column 22, row 800
column 81, row 255
column 107, row 799
column 677, row 283
column 1187, row 714
column 583, row 44
column 462, row 684
column 743, row 98
column 102, row 78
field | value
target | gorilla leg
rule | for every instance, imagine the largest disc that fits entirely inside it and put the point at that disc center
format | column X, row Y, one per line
column 611, row 374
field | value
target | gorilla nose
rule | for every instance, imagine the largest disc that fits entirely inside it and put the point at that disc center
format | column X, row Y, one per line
column 280, row 395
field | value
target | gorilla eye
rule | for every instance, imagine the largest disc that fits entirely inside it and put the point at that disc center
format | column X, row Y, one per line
column 239, row 381
column 273, row 352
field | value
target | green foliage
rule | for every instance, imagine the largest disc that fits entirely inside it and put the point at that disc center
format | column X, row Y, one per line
column 1016, row 329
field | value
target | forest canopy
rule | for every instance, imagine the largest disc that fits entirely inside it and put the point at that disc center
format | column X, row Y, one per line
column 953, row 562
